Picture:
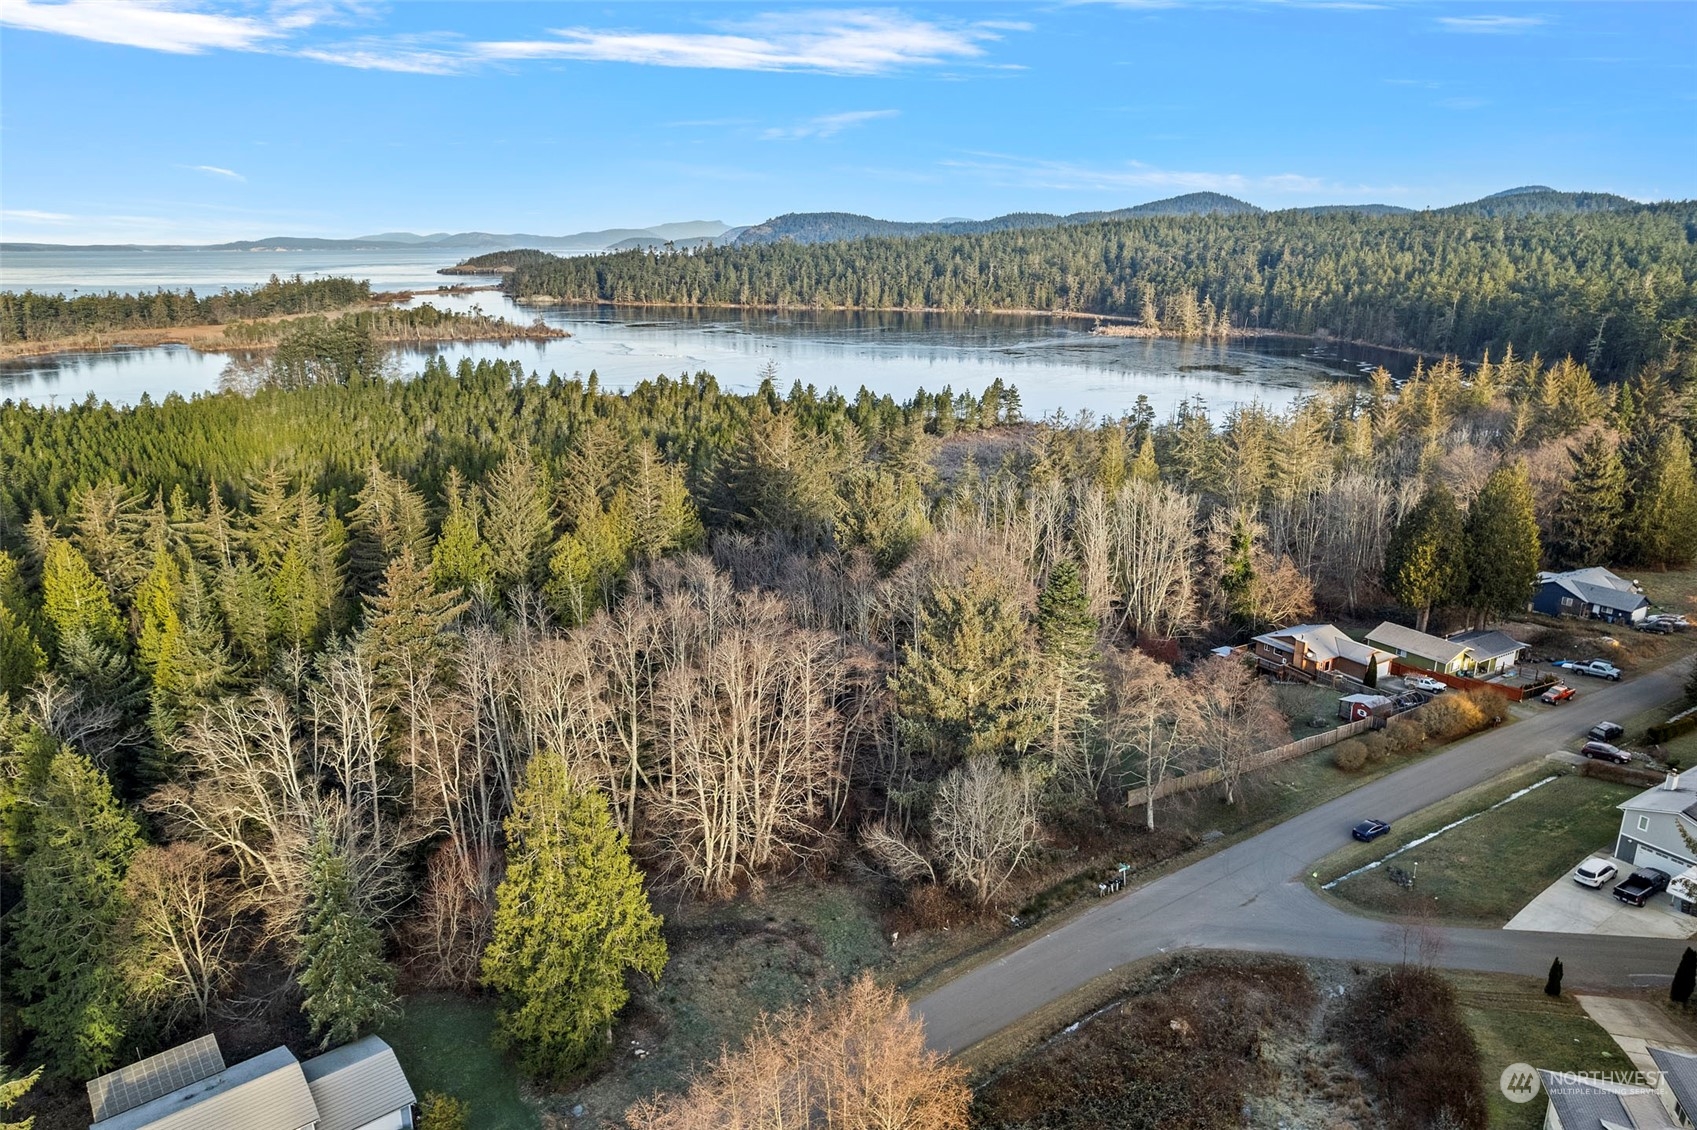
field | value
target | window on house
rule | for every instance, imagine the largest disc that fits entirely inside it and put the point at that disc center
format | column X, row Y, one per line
column 1643, row 823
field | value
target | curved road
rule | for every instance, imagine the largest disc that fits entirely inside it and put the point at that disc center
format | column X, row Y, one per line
column 1251, row 896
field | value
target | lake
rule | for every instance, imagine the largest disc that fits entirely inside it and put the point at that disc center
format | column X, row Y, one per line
column 1056, row 364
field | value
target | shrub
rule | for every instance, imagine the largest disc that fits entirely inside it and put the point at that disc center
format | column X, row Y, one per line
column 1403, row 736
column 1450, row 716
column 443, row 1112
column 1350, row 756
column 1667, row 731
column 1406, row 1028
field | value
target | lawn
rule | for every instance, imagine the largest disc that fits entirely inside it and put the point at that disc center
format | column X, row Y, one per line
column 1484, row 871
column 443, row 1043
column 1514, row 1022
column 1309, row 709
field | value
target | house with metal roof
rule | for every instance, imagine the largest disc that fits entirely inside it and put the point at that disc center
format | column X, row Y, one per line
column 1676, row 1082
column 1593, row 593
column 359, row 1086
column 1319, row 649
column 1417, row 649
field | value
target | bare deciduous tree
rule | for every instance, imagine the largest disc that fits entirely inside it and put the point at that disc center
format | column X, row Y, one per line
column 856, row 1060
column 984, row 825
column 183, row 925
column 1236, row 717
column 1151, row 718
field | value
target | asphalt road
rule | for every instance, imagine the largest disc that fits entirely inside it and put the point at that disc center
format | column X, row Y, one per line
column 1250, row 896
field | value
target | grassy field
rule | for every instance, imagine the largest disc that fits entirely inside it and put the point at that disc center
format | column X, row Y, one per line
column 1483, row 872
column 1515, row 1022
column 443, row 1043
column 1303, row 705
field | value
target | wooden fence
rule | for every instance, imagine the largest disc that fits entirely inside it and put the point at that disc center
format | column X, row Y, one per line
column 1459, row 682
column 1202, row 778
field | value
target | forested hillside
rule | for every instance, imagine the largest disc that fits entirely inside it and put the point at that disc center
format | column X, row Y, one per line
column 1616, row 290
column 29, row 316
column 319, row 692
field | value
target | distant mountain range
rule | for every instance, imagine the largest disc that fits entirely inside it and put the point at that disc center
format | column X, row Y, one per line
column 822, row 227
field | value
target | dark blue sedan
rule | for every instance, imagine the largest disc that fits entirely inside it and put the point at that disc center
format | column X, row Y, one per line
column 1369, row 830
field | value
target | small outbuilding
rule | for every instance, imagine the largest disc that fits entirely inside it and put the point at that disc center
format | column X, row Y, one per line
column 1355, row 707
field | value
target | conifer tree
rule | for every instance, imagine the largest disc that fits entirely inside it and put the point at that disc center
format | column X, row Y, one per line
column 1552, row 983
column 1661, row 523
column 964, row 685
column 1143, row 466
column 1067, row 639
column 20, row 655
column 571, row 918
column 1684, row 977
column 1425, row 559
column 1586, row 526
column 66, row 936
column 1502, row 544
column 516, row 523
column 348, row 988
column 461, row 558
column 75, row 601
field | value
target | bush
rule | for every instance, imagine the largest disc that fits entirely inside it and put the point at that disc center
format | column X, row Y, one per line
column 443, row 1112
column 1620, row 774
column 1350, row 756
column 1668, row 731
column 1450, row 716
column 1403, row 736
column 1406, row 1028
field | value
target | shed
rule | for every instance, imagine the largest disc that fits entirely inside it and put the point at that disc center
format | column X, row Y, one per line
column 1355, row 707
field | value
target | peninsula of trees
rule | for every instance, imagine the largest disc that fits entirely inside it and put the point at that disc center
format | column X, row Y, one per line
column 295, row 314
column 1614, row 288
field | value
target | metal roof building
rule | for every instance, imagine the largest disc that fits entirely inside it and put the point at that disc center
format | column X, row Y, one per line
column 359, row 1086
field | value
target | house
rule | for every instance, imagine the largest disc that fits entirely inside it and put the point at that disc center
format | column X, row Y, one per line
column 359, row 1086
column 1490, row 653
column 1320, row 649
column 1650, row 827
column 1580, row 1102
column 1677, row 1084
column 1417, row 649
column 1595, row 593
column 1354, row 707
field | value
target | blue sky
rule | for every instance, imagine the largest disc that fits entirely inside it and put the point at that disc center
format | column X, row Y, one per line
column 199, row 120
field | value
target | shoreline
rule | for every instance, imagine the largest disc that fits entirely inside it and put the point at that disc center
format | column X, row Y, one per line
column 1107, row 325
column 209, row 337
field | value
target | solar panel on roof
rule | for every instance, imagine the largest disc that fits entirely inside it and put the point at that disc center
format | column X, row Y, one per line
column 129, row 1087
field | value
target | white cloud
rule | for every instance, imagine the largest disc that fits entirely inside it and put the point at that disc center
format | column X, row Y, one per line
column 402, row 55
column 835, row 42
column 1490, row 25
column 31, row 215
column 826, row 125
column 157, row 25
column 214, row 170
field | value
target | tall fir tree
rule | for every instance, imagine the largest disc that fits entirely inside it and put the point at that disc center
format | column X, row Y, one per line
column 571, row 919
column 21, row 656
column 461, row 558
column 1585, row 529
column 963, row 685
column 1069, row 659
column 1503, row 550
column 348, row 988
column 1661, row 523
column 75, row 601
column 67, row 936
column 1425, row 560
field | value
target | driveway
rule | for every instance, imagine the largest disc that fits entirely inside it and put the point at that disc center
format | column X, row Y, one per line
column 1250, row 896
column 1566, row 907
column 1634, row 1024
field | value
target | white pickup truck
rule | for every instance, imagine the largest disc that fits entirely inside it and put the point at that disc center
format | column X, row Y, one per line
column 1597, row 668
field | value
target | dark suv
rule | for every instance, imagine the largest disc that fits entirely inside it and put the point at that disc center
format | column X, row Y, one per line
column 1608, row 731
column 1641, row 885
column 1603, row 751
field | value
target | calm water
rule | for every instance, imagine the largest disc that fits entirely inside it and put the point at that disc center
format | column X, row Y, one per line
column 1056, row 365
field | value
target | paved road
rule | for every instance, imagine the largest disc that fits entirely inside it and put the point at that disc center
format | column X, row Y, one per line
column 1250, row 896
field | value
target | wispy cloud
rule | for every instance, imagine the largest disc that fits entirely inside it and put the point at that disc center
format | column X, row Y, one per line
column 216, row 171
column 850, row 42
column 34, row 216
column 157, row 25
column 826, row 125
column 1490, row 25
column 830, row 41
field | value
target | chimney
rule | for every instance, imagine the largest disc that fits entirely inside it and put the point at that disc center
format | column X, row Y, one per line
column 1672, row 781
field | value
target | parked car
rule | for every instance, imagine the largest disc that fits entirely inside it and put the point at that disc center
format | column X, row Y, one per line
column 1641, row 885
column 1607, row 731
column 1673, row 619
column 1659, row 627
column 1561, row 692
column 1597, row 668
column 1369, row 830
column 1603, row 751
column 1594, row 873
column 1426, row 683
